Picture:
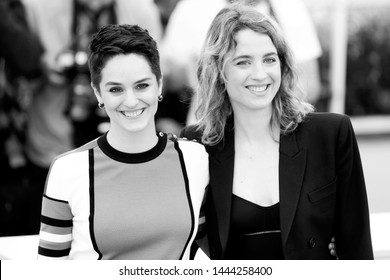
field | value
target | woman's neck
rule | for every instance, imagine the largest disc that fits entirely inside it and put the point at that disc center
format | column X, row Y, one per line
column 255, row 127
column 132, row 142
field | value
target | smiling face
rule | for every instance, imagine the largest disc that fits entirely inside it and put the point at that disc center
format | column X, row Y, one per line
column 253, row 72
column 129, row 91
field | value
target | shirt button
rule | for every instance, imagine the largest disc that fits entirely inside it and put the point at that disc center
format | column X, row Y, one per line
column 212, row 251
column 312, row 242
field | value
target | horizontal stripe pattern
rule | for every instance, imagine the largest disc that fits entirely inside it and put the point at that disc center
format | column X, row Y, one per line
column 55, row 237
column 55, row 222
column 53, row 253
column 55, row 245
column 65, row 228
column 56, row 209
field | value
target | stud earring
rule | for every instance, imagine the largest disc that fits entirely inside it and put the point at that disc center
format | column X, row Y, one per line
column 101, row 105
column 160, row 98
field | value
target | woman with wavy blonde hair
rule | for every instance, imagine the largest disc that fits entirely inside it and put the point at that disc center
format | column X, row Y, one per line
column 214, row 109
column 284, row 180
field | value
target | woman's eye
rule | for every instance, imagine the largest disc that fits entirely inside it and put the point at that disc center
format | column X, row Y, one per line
column 142, row 86
column 270, row 60
column 115, row 89
column 243, row 62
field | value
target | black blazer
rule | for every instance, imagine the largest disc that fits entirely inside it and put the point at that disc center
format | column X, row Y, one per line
column 322, row 191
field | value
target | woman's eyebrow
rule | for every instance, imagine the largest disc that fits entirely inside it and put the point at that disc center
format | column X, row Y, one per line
column 111, row 83
column 241, row 57
column 249, row 56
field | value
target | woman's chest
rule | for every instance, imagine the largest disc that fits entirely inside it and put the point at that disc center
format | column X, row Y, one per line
column 256, row 176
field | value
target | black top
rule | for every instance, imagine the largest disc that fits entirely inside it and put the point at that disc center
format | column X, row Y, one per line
column 254, row 231
column 319, row 171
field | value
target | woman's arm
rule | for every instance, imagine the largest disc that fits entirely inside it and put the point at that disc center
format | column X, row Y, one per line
column 352, row 230
column 55, row 236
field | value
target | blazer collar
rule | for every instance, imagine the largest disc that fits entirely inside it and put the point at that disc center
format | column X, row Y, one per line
column 221, row 164
column 225, row 148
column 292, row 165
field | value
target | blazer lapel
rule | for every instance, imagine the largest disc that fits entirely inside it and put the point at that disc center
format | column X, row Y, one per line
column 292, row 164
column 221, row 174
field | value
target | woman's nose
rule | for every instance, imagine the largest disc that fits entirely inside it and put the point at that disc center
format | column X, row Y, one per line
column 131, row 100
column 258, row 71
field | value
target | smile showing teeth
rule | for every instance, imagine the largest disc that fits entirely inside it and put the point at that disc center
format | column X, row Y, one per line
column 133, row 114
column 258, row 88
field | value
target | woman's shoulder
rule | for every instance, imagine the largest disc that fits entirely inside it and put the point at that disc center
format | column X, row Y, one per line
column 324, row 125
column 326, row 116
column 74, row 156
column 192, row 151
column 188, row 143
column 325, row 119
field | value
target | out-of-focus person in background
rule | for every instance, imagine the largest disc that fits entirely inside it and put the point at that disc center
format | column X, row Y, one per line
column 166, row 7
column 284, row 180
column 63, row 113
column 132, row 193
column 171, row 115
column 20, row 56
column 187, row 27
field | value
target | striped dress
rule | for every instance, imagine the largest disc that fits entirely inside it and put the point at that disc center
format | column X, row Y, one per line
column 100, row 203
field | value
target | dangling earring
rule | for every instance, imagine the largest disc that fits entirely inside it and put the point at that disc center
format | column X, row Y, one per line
column 160, row 98
column 101, row 105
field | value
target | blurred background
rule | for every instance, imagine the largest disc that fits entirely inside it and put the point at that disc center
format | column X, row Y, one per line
column 355, row 77
column 47, row 107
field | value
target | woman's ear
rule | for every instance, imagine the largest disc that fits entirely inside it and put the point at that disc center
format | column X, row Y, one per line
column 97, row 93
column 160, row 85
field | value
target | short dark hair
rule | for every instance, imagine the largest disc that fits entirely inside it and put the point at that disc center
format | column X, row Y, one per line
column 115, row 39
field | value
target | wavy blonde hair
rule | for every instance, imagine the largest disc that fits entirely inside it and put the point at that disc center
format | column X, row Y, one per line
column 214, row 107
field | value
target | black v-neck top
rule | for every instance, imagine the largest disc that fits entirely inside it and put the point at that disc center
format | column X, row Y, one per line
column 254, row 231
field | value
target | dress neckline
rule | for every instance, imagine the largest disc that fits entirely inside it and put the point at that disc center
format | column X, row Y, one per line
column 142, row 157
column 255, row 204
